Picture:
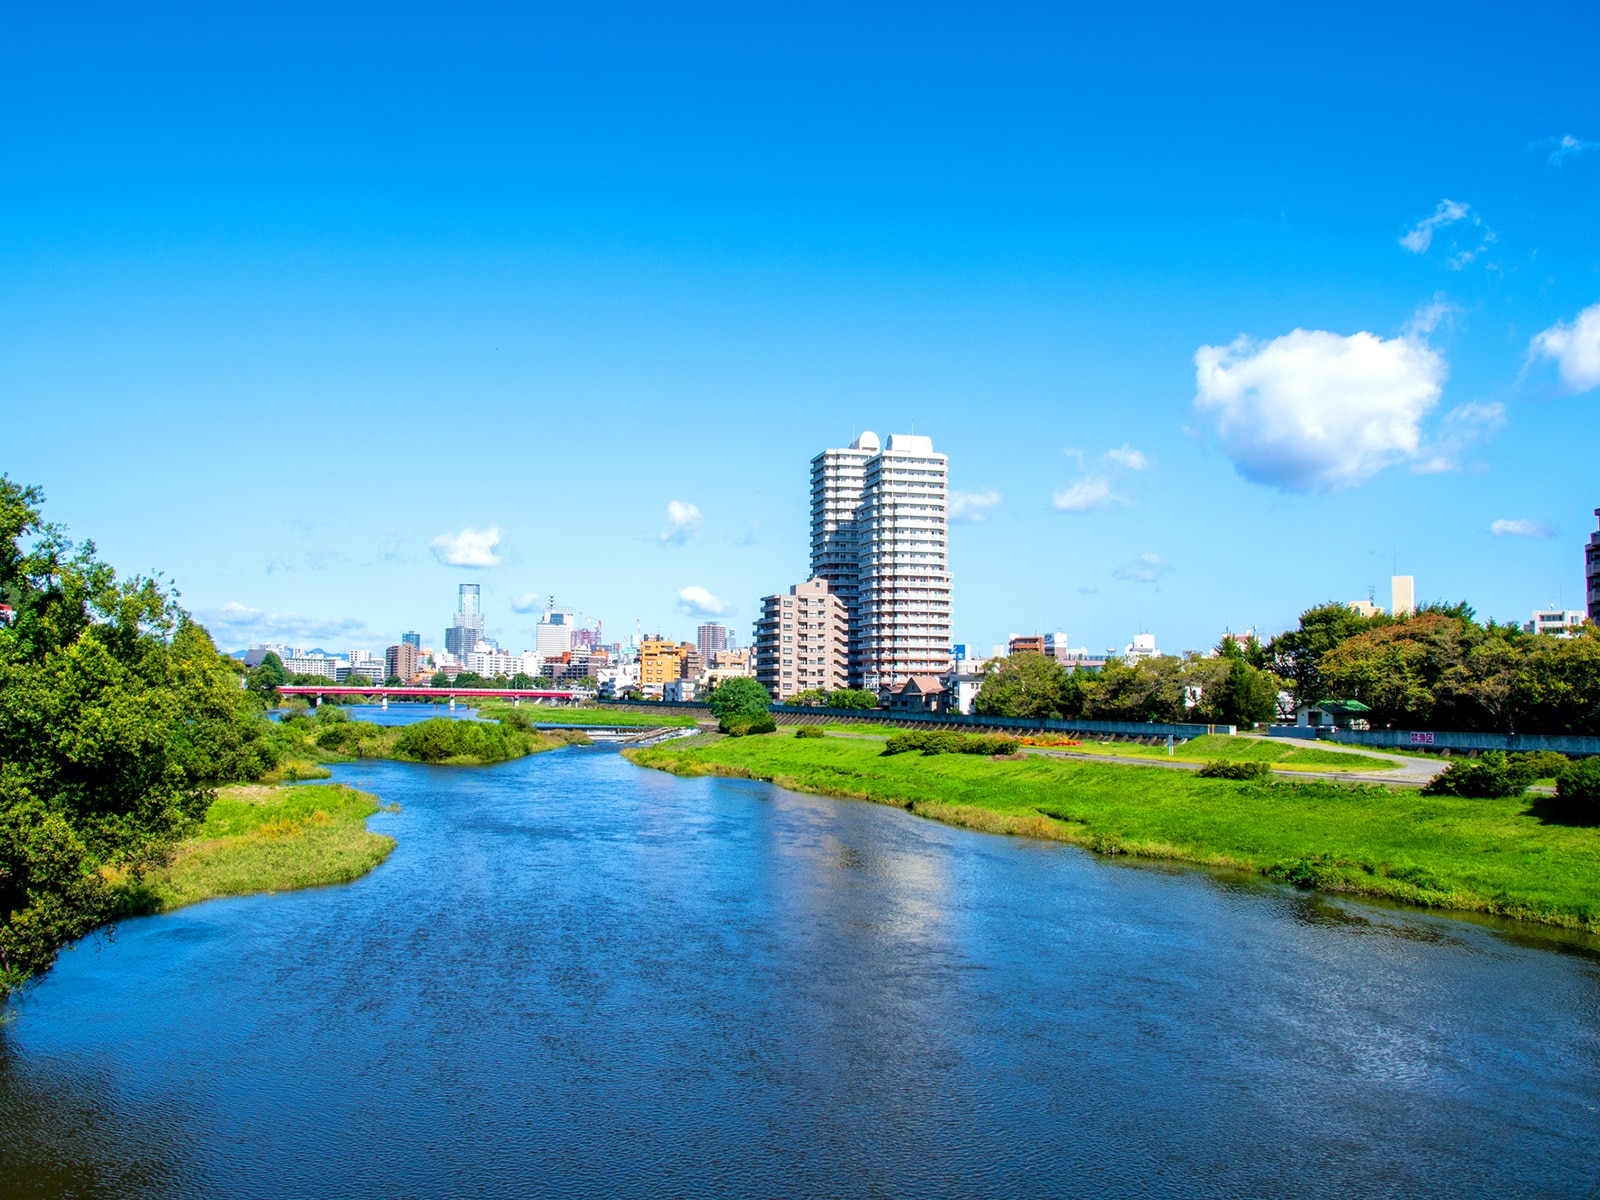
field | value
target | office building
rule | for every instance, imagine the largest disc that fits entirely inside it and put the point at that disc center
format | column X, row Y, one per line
column 710, row 639
column 1592, row 574
column 412, row 639
column 400, row 660
column 802, row 641
column 1025, row 644
column 553, row 637
column 1142, row 646
column 466, row 628
column 1403, row 595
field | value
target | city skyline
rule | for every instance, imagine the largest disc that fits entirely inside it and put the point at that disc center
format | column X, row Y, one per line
column 1198, row 364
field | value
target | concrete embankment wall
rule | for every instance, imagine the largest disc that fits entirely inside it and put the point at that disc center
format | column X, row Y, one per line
column 1455, row 743
column 786, row 715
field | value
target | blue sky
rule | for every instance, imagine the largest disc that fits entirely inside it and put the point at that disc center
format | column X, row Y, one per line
column 298, row 305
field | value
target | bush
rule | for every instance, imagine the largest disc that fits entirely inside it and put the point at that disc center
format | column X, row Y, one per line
column 808, row 731
column 1580, row 782
column 742, row 724
column 1539, row 764
column 1223, row 768
column 948, row 741
column 1492, row 777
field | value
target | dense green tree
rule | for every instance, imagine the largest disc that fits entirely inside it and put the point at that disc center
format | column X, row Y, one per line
column 266, row 678
column 809, row 698
column 117, row 715
column 522, row 681
column 1023, row 685
column 1296, row 655
column 852, row 698
column 739, row 697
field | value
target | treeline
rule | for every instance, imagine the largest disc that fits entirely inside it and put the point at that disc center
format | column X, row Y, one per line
column 1441, row 669
column 1438, row 669
column 1228, row 689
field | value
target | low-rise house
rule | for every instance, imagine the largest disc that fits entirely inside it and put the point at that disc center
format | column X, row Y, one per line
column 920, row 693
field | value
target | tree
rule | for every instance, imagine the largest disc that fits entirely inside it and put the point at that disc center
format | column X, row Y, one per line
column 117, row 717
column 267, row 677
column 522, row 681
column 439, row 680
column 1297, row 655
column 739, row 697
column 1023, row 685
column 394, row 681
column 809, row 698
column 852, row 698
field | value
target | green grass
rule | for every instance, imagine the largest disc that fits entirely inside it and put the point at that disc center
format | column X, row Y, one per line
column 440, row 740
column 1211, row 746
column 268, row 839
column 863, row 729
column 594, row 716
column 1489, row 856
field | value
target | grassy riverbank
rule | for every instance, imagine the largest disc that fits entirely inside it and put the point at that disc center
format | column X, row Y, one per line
column 540, row 715
column 267, row 839
column 301, row 741
column 1492, row 856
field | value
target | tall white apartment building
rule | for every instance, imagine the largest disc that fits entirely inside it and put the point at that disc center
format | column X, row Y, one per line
column 904, row 582
column 837, row 478
column 878, row 525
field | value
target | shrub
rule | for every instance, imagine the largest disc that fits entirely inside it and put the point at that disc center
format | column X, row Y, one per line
column 1492, row 777
column 1223, row 768
column 743, row 724
column 1539, row 764
column 1580, row 782
column 945, row 741
column 808, row 731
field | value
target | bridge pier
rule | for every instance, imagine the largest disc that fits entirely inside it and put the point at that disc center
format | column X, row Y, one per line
column 386, row 702
column 516, row 702
column 452, row 704
column 316, row 702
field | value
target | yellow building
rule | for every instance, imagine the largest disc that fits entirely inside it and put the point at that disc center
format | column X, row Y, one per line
column 661, row 661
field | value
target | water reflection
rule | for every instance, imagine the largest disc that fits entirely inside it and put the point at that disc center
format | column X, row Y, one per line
column 575, row 978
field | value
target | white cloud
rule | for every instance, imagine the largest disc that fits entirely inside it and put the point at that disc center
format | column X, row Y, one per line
column 683, row 522
column 1147, row 568
column 1575, row 349
column 1087, row 495
column 234, row 624
column 1522, row 527
column 1128, row 457
column 1462, row 426
column 697, row 602
column 1317, row 411
column 1420, row 238
column 469, row 548
column 973, row 506
column 1087, row 589
column 1567, row 147
column 527, row 602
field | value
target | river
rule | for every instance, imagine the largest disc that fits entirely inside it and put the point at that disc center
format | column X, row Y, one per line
column 578, row 978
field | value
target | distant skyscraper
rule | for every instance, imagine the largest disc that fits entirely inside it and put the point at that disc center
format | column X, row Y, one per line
column 414, row 640
column 1592, row 573
column 466, row 630
column 553, row 635
column 710, row 639
column 878, row 531
column 1402, row 595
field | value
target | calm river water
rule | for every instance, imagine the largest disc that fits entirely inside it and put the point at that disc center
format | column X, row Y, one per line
column 578, row 978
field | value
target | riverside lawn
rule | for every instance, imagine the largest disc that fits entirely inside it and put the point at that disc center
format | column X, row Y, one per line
column 266, row 839
column 1491, row 856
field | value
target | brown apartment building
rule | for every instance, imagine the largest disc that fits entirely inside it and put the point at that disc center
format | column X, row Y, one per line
column 802, row 641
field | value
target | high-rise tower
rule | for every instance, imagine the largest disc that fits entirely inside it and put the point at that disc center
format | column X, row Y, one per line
column 878, row 538
column 836, row 482
column 903, row 604
column 466, row 629
column 1592, row 575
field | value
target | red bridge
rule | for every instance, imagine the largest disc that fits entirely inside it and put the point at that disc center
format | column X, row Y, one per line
column 316, row 691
